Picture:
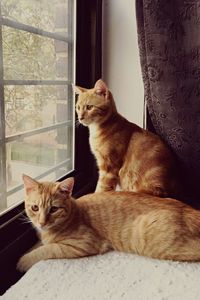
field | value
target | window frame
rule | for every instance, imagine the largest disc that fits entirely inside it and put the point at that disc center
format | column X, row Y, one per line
column 17, row 237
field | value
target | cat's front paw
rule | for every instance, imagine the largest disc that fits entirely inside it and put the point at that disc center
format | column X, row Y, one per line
column 25, row 263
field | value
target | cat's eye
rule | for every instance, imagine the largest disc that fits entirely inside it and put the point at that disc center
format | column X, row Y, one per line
column 34, row 208
column 89, row 107
column 53, row 209
column 78, row 107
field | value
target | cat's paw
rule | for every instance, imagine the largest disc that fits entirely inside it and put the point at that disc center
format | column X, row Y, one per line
column 25, row 263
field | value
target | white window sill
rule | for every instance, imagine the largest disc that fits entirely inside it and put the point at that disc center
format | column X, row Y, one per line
column 110, row 276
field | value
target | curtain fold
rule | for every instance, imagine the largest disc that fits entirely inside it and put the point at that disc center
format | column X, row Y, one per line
column 169, row 46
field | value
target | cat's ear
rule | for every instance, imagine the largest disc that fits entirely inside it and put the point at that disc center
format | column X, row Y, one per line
column 78, row 90
column 30, row 184
column 101, row 88
column 67, row 185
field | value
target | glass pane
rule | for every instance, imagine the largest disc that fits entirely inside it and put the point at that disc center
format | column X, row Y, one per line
column 38, row 154
column 29, row 107
column 29, row 56
column 36, row 96
column 48, row 15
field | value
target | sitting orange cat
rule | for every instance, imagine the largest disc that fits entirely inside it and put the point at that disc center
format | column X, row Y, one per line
column 126, row 154
column 99, row 222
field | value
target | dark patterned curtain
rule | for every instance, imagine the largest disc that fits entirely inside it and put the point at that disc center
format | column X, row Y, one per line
column 169, row 45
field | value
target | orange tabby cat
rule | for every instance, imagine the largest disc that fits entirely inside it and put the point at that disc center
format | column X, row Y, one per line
column 126, row 154
column 99, row 222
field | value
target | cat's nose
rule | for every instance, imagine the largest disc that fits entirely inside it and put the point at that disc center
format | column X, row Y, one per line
column 41, row 225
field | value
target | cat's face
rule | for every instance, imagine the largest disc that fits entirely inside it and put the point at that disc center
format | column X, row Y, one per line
column 94, row 105
column 47, row 204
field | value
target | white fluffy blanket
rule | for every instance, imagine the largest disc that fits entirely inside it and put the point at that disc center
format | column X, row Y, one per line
column 113, row 276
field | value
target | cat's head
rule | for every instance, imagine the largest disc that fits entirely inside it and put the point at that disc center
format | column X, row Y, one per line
column 95, row 105
column 47, row 204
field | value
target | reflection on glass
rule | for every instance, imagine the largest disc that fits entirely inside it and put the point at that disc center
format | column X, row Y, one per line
column 31, row 107
column 48, row 15
column 37, row 67
column 29, row 56
column 38, row 154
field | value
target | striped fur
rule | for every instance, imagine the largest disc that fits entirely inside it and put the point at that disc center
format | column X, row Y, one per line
column 99, row 222
column 126, row 154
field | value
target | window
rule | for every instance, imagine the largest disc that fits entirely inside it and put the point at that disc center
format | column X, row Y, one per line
column 36, row 100
column 37, row 89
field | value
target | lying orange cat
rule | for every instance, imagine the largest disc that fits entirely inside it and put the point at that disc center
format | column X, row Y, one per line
column 99, row 222
column 126, row 154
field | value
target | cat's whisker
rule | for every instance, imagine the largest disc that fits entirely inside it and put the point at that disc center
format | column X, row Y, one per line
column 26, row 222
column 77, row 123
column 24, row 219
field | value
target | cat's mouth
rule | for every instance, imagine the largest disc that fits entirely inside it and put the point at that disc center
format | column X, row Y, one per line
column 84, row 122
column 42, row 228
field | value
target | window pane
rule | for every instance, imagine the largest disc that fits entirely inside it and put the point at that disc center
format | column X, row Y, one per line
column 29, row 56
column 36, row 107
column 29, row 107
column 37, row 154
column 48, row 15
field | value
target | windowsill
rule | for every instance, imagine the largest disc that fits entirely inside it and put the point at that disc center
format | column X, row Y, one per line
column 113, row 275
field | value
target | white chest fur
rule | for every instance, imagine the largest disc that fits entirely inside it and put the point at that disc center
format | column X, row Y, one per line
column 93, row 128
column 94, row 141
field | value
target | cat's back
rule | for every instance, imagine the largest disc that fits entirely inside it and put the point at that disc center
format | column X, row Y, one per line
column 124, row 217
column 145, row 146
column 150, row 166
column 121, row 202
column 145, row 141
